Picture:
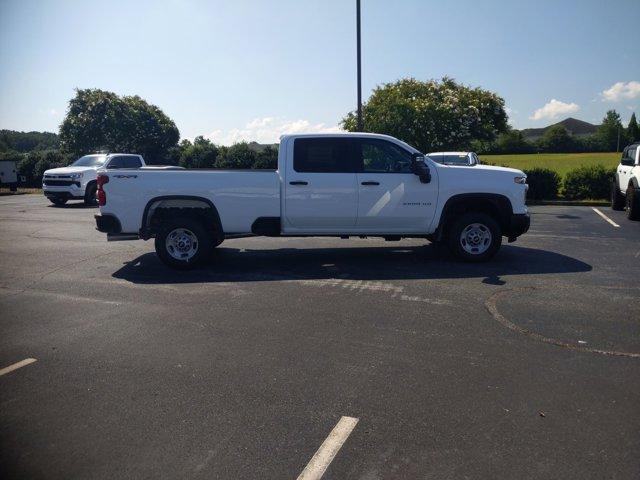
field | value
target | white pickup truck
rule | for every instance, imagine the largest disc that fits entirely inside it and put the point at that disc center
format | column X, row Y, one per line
column 78, row 180
column 325, row 185
column 625, row 188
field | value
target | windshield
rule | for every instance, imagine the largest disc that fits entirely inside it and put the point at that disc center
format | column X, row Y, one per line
column 89, row 161
column 462, row 159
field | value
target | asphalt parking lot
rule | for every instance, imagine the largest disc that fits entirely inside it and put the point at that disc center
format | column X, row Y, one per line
column 525, row 367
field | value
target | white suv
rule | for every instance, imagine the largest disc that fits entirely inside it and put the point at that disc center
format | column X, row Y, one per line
column 625, row 188
column 78, row 180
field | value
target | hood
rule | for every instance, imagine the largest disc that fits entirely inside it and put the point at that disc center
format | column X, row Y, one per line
column 68, row 170
column 497, row 169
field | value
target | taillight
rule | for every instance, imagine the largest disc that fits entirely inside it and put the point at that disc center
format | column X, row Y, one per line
column 102, row 195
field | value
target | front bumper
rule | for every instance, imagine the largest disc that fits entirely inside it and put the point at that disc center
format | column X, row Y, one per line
column 518, row 224
column 63, row 194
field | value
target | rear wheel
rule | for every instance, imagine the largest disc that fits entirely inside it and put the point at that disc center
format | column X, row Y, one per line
column 474, row 237
column 633, row 209
column 617, row 199
column 90, row 195
column 58, row 201
column 183, row 243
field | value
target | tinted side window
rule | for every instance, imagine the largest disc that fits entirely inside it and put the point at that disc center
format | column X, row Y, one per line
column 321, row 155
column 380, row 156
column 132, row 162
column 125, row 161
column 631, row 154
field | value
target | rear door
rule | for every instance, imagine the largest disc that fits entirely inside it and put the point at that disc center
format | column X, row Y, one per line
column 320, row 186
column 390, row 197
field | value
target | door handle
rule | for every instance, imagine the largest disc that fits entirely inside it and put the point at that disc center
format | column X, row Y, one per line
column 370, row 183
column 297, row 182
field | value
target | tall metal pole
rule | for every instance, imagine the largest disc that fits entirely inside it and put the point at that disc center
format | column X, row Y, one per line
column 360, row 126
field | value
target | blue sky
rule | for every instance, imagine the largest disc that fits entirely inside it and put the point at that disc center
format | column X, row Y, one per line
column 255, row 69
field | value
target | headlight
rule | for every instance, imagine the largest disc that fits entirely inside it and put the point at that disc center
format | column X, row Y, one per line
column 76, row 175
column 520, row 180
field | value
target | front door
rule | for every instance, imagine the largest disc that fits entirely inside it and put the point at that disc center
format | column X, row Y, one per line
column 320, row 187
column 390, row 197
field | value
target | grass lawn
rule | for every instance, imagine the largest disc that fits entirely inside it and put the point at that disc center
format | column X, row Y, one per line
column 560, row 162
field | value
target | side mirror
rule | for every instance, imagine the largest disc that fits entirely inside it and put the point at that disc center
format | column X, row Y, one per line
column 627, row 161
column 420, row 168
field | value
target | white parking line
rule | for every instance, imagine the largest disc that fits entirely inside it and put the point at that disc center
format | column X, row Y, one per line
column 17, row 365
column 328, row 450
column 605, row 217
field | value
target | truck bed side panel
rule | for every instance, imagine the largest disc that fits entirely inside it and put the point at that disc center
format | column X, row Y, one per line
column 239, row 196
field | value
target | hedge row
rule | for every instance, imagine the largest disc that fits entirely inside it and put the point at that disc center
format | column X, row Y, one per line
column 589, row 182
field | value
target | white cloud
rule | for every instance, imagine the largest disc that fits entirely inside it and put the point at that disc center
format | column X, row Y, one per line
column 621, row 91
column 268, row 130
column 554, row 109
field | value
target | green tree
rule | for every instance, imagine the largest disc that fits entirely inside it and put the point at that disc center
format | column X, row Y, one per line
column 239, row 155
column 608, row 132
column 202, row 153
column 99, row 120
column 267, row 158
column 432, row 115
column 633, row 131
column 557, row 140
column 512, row 141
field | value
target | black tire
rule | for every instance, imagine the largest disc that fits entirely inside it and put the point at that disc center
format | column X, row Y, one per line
column 482, row 227
column 617, row 199
column 58, row 201
column 90, row 198
column 196, row 234
column 633, row 201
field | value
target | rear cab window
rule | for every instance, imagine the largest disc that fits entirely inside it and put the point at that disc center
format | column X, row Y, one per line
column 322, row 155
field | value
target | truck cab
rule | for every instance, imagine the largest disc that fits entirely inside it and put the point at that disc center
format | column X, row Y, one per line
column 78, row 180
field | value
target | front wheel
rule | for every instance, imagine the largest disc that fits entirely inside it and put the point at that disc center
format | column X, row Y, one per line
column 474, row 237
column 617, row 200
column 633, row 201
column 183, row 244
column 90, row 195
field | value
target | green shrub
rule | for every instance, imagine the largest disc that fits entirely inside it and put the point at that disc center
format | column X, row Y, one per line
column 588, row 182
column 543, row 183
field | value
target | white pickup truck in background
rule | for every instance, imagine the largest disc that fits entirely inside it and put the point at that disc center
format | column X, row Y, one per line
column 350, row 184
column 78, row 180
column 625, row 188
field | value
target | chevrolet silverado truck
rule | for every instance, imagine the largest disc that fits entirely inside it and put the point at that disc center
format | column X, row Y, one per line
column 625, row 188
column 78, row 180
column 338, row 185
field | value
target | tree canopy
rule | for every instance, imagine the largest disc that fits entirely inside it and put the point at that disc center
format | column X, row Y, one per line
column 633, row 132
column 101, row 120
column 432, row 115
column 608, row 132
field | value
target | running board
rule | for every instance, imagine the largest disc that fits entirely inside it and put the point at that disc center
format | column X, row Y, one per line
column 118, row 237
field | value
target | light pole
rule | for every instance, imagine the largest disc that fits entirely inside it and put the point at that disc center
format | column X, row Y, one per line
column 360, row 126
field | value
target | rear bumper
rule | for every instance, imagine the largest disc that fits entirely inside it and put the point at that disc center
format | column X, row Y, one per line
column 518, row 224
column 107, row 223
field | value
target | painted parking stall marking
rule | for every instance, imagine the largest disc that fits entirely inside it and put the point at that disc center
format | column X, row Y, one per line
column 605, row 217
column 17, row 365
column 329, row 449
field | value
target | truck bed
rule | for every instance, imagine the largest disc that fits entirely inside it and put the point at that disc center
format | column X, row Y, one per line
column 240, row 196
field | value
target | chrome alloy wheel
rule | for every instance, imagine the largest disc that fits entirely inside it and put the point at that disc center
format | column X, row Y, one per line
column 182, row 244
column 476, row 238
